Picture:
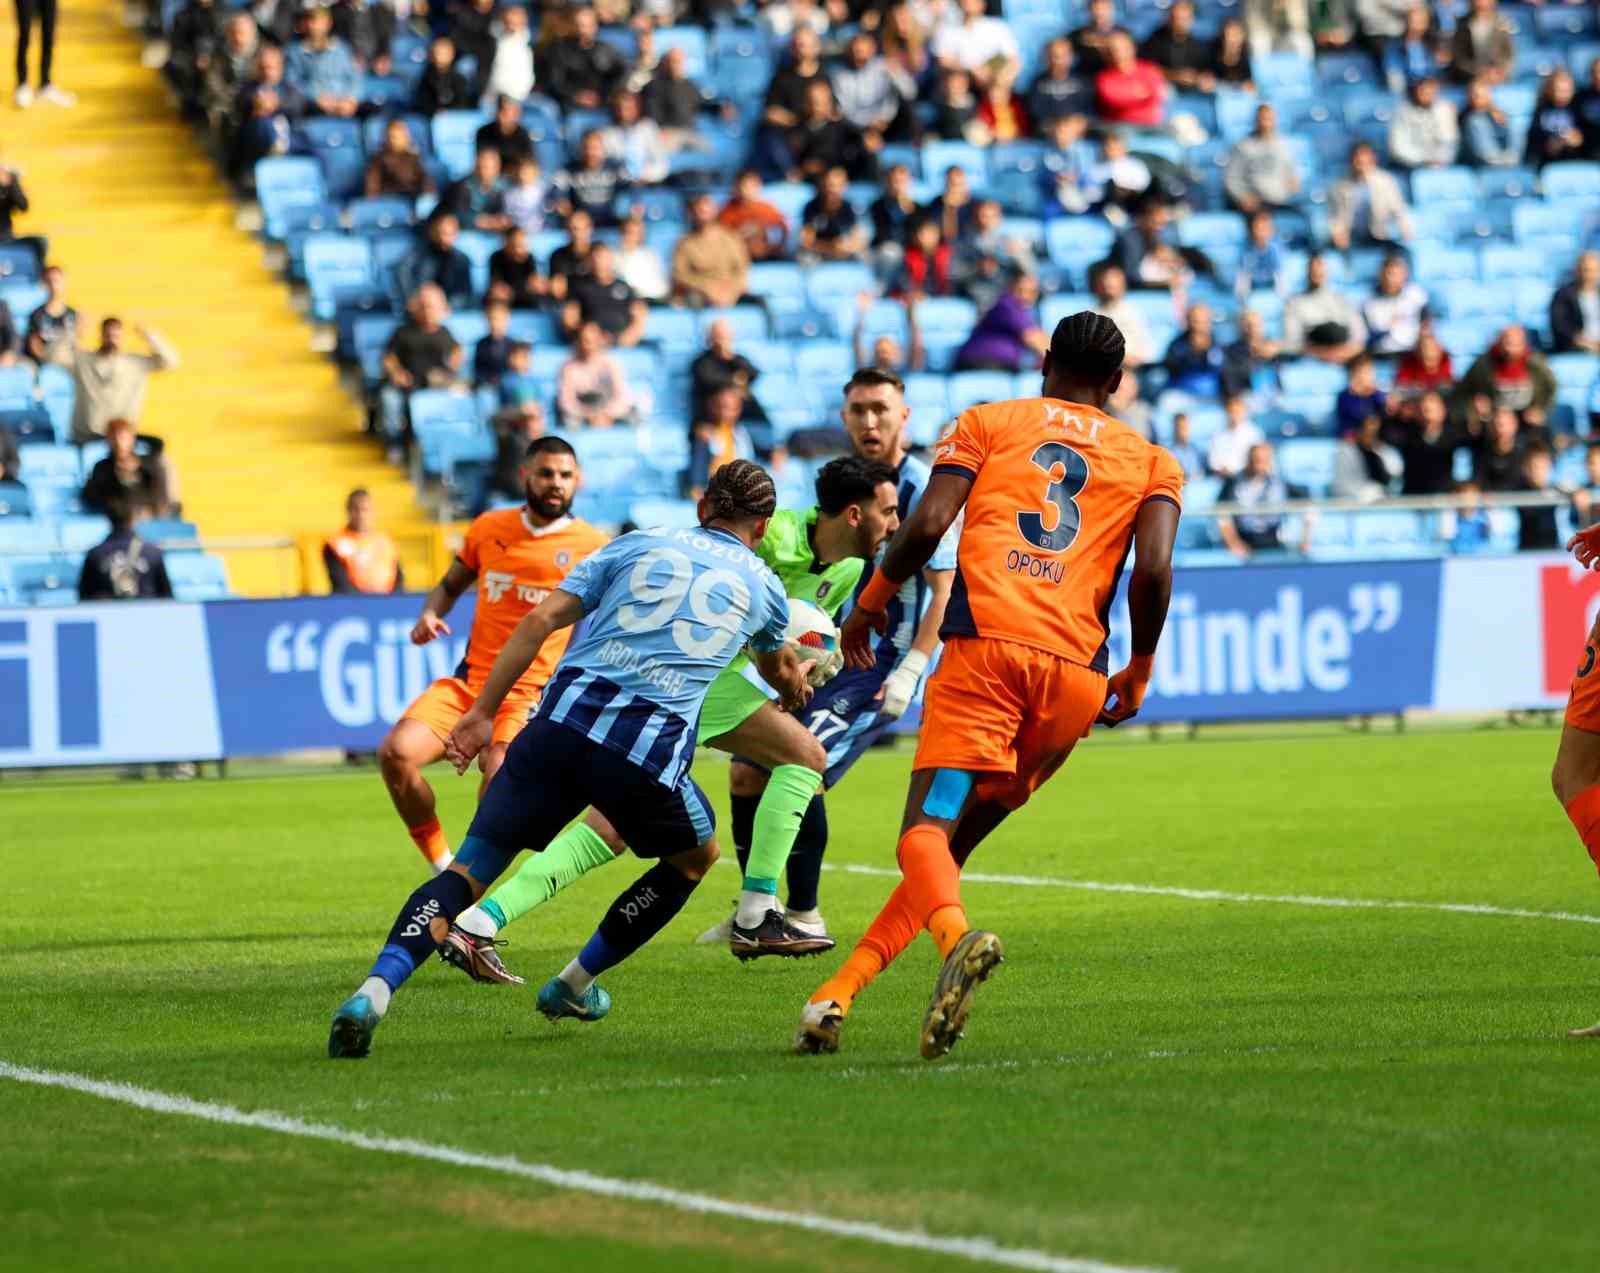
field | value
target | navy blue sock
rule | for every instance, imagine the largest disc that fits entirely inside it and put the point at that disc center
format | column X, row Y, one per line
column 805, row 859
column 411, row 939
column 641, row 911
column 742, row 826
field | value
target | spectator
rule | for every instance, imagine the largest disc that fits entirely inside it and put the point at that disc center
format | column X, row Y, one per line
column 319, row 67
column 229, row 70
column 594, row 184
column 926, row 267
column 1062, row 179
column 785, row 17
column 1321, row 322
column 1129, row 91
column 1184, row 450
column 437, row 259
column 570, row 261
column 1424, row 132
column 786, row 103
column 639, row 265
column 1508, row 376
column 264, row 111
column 491, row 356
column 122, row 567
column 276, row 20
column 592, row 391
column 1364, row 465
column 1280, row 26
column 634, row 141
column 1261, row 170
column 1230, row 448
column 709, row 265
column 1483, row 46
column 1147, row 254
column 1486, row 140
column 1110, row 287
column 1115, row 178
column 674, row 101
column 1231, row 61
column 867, row 92
column 1261, row 265
column 511, row 67
column 472, row 28
column 1245, row 534
column 1091, row 43
column 1499, row 463
column 53, row 322
column 1008, row 336
column 360, row 557
column 600, row 297
column 109, row 382
column 1366, row 206
column 983, row 279
column 521, row 393
column 717, row 439
column 1416, row 54
column 514, row 276
column 829, row 227
column 397, row 167
column 759, row 226
column 516, row 430
column 1060, row 90
column 1467, row 527
column 1586, row 499
column 1249, row 364
column 45, row 12
column 1428, row 449
column 479, row 198
column 526, row 201
column 1002, row 115
column 124, row 474
column 1194, row 360
column 1184, row 58
column 821, row 140
column 13, row 493
column 955, row 109
column 1126, row 405
column 1575, row 309
column 978, row 44
column 1537, row 530
column 954, row 208
column 893, row 214
column 1381, row 23
column 443, row 87
column 1426, row 368
column 1396, row 308
column 905, row 42
column 195, row 35
column 1588, row 104
column 718, row 367
column 10, row 337
column 990, row 237
column 367, row 27
column 1554, row 133
column 580, row 70
column 1360, row 397
column 421, row 354
column 506, row 134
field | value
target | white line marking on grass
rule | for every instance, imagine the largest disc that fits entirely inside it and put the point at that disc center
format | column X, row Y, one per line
column 1216, row 895
column 979, row 1250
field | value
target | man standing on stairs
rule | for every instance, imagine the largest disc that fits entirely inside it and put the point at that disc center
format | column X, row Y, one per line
column 518, row 556
column 362, row 558
column 45, row 12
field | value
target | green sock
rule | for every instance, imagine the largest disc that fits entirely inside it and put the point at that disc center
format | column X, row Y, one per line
column 778, row 816
column 573, row 853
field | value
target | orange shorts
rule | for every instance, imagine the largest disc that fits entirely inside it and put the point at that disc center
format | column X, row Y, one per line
column 1583, row 707
column 1008, row 711
column 445, row 702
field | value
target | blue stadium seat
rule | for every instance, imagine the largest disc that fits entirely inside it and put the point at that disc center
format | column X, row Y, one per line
column 824, row 362
column 1391, row 531
column 782, row 284
column 782, row 390
column 534, row 327
column 1574, row 180
column 440, row 410
column 1564, row 23
column 21, row 536
column 468, row 327
column 343, row 171
column 1308, row 462
column 1236, row 113
column 882, row 318
column 789, row 198
column 33, row 576
column 1076, row 243
column 1580, row 57
column 287, row 181
column 1466, row 298
column 197, row 576
column 1466, row 338
column 326, row 133
column 454, row 138
column 1509, row 182
column 1434, row 185
column 51, row 464
column 1509, row 260
column 369, row 337
column 952, row 315
column 741, row 43
column 1059, row 305
column 22, row 298
column 938, row 157
column 692, row 40
column 385, row 212
column 835, row 282
column 1208, row 230
column 337, row 266
column 79, row 534
column 675, row 514
column 969, row 388
column 168, row 530
column 749, row 322
column 1575, row 372
column 1283, row 76
column 1433, row 263
column 18, row 263
column 374, row 127
column 1307, row 376
column 768, row 355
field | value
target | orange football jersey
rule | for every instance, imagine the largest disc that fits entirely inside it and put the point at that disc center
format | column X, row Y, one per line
column 1056, row 487
column 518, row 564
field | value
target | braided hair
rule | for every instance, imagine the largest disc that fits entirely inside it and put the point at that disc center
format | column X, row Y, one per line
column 1087, row 347
column 737, row 491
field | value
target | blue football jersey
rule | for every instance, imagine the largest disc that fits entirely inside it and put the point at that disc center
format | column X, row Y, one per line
column 667, row 610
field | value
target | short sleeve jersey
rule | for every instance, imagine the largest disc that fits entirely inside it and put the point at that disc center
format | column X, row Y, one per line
column 1056, row 488
column 668, row 610
column 787, row 549
column 518, row 564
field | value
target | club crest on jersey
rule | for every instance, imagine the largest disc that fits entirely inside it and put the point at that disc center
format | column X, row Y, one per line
column 824, row 588
column 563, row 559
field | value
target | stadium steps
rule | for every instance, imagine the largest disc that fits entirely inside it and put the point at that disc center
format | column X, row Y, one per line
column 266, row 440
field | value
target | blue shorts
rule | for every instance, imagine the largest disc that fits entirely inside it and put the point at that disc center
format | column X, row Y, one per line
column 552, row 773
column 845, row 718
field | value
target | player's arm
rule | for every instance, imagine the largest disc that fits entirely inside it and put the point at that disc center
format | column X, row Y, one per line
column 440, row 601
column 785, row 672
column 1585, row 546
column 1155, row 530
column 901, row 683
column 909, row 551
column 474, row 729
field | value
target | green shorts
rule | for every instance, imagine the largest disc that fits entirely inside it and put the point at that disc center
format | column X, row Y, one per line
column 730, row 702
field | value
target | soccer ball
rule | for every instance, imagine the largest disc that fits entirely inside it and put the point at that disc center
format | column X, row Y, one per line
column 813, row 635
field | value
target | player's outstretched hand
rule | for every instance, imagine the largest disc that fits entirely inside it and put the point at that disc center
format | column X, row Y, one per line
column 1585, row 546
column 470, row 736
column 855, row 638
column 797, row 694
column 428, row 627
column 1126, row 689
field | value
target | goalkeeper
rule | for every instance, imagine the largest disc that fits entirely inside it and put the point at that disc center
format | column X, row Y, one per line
column 820, row 555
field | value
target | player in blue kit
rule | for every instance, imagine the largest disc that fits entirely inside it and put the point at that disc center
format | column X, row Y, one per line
column 853, row 710
column 615, row 729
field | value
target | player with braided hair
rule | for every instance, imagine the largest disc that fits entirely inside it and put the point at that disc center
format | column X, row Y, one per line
column 1055, row 492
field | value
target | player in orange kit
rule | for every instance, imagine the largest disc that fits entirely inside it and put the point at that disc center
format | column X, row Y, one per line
column 1055, row 492
column 517, row 555
column 1576, row 776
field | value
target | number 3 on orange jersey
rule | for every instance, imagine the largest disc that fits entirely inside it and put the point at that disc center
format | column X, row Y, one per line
column 1063, row 494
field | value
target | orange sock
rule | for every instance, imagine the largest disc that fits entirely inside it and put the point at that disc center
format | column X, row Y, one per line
column 932, row 881
column 430, row 841
column 1584, row 810
column 948, row 924
column 891, row 932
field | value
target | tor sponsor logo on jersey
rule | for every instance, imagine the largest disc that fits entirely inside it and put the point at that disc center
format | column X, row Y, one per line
column 496, row 584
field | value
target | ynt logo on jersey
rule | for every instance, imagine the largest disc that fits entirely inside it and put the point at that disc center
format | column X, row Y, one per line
column 496, row 583
column 50, row 684
column 1569, row 597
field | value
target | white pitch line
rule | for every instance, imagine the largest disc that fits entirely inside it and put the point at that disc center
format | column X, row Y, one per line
column 978, row 1250
column 1217, row 895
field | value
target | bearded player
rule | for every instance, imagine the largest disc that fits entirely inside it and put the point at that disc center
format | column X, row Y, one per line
column 1576, row 776
column 517, row 556
column 1055, row 492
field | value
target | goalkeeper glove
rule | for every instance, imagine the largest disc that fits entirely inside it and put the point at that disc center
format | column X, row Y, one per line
column 902, row 684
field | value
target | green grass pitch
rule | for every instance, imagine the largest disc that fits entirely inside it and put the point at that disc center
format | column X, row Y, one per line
column 1152, row 1081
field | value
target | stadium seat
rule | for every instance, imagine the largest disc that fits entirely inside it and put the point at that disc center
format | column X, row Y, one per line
column 453, row 135
column 673, row 329
column 833, row 282
column 768, row 355
column 468, row 328
column 15, row 502
column 882, row 318
column 283, row 182
column 1466, row 298
column 1498, row 261
column 49, row 463
column 32, row 577
column 1076, row 243
column 824, row 362
column 1208, row 230
column 1437, row 185
column 1307, row 375
column 1053, row 308
column 385, row 212
column 1574, row 373
column 749, row 322
column 692, row 40
column 675, row 514
column 337, row 266
column 1577, row 181
column 946, row 315
column 18, row 263
column 374, row 127
column 1307, row 462
column 197, row 576
column 1433, row 263
column 1391, row 530
column 938, row 157
column 969, row 388
column 1511, row 182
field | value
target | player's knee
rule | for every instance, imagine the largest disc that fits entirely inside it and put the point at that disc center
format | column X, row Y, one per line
column 601, row 826
column 809, row 753
column 696, row 862
column 392, row 757
column 745, row 780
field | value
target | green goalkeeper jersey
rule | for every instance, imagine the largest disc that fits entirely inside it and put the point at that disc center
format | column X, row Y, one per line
column 787, row 549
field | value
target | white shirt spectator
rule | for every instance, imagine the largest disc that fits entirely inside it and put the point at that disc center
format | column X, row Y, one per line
column 512, row 74
column 1316, row 308
column 1140, row 348
column 973, row 45
column 1231, row 448
column 1395, row 321
column 641, row 268
column 1424, row 136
